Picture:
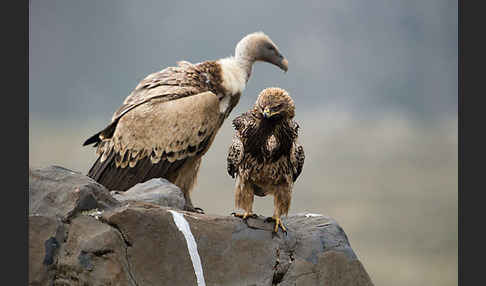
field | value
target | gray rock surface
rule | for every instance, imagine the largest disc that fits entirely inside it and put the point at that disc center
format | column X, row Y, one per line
column 58, row 192
column 139, row 243
column 156, row 191
column 45, row 236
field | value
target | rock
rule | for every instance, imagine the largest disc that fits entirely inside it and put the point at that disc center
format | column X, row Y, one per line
column 94, row 254
column 143, row 243
column 45, row 236
column 157, row 191
column 315, row 250
column 58, row 192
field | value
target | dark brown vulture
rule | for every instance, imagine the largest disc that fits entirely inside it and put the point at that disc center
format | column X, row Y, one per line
column 265, row 157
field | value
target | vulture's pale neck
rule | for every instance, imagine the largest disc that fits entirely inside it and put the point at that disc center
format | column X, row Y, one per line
column 244, row 56
column 245, row 63
column 236, row 72
column 237, row 69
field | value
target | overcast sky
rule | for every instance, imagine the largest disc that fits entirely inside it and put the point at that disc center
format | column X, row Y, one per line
column 366, row 56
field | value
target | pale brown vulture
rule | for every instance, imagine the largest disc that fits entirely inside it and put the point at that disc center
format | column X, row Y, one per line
column 265, row 156
column 170, row 119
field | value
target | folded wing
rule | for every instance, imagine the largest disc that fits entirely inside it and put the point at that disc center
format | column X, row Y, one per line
column 155, row 138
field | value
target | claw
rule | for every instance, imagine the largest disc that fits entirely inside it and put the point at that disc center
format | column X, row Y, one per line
column 278, row 222
column 244, row 216
column 269, row 219
column 193, row 209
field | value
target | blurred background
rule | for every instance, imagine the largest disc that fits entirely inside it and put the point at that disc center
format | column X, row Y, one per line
column 375, row 87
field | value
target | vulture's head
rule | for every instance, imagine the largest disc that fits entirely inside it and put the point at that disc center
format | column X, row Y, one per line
column 275, row 104
column 259, row 47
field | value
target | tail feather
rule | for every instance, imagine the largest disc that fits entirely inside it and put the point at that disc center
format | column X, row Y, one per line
column 121, row 179
column 93, row 139
column 107, row 133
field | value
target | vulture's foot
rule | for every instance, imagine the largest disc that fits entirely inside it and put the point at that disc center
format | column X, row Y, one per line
column 278, row 223
column 193, row 209
column 245, row 216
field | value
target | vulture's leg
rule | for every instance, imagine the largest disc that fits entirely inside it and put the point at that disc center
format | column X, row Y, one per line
column 245, row 215
column 185, row 179
column 281, row 202
column 244, row 201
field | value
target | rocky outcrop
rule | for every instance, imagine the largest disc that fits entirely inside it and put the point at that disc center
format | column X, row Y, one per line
column 61, row 193
column 156, row 191
column 80, row 235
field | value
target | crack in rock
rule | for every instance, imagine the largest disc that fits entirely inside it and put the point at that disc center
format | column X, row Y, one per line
column 51, row 245
column 62, row 234
column 127, row 245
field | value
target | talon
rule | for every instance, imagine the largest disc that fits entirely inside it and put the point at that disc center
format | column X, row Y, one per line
column 236, row 214
column 193, row 209
column 269, row 219
column 278, row 222
column 244, row 216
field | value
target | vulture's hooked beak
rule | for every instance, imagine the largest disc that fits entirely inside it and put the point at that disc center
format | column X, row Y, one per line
column 284, row 64
column 279, row 60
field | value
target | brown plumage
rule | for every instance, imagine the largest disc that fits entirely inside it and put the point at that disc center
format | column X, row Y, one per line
column 265, row 156
column 171, row 118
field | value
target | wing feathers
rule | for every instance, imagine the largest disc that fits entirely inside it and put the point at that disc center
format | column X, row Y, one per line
column 298, row 161
column 98, row 137
column 155, row 139
column 235, row 156
column 172, row 130
column 168, row 118
column 121, row 179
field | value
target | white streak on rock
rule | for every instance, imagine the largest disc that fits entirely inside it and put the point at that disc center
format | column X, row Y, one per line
column 184, row 227
column 312, row 215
